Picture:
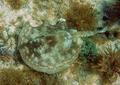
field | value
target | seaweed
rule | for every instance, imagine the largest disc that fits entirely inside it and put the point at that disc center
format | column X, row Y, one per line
column 81, row 17
column 107, row 65
column 16, row 4
column 18, row 77
column 88, row 50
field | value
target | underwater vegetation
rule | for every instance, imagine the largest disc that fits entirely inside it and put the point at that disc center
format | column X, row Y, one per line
column 16, row 4
column 88, row 49
column 57, row 55
column 81, row 17
column 107, row 65
column 98, row 39
column 18, row 77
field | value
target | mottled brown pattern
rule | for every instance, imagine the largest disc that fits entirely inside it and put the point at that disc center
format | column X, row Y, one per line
column 80, row 17
column 106, row 64
column 15, row 4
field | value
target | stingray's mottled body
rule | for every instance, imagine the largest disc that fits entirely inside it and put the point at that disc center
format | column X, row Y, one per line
column 47, row 50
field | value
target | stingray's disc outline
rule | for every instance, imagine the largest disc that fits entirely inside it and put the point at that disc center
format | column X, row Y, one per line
column 43, row 54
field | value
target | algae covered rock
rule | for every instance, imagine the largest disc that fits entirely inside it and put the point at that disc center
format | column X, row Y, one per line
column 88, row 48
column 48, row 51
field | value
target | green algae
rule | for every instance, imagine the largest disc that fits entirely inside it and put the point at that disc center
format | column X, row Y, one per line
column 88, row 48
